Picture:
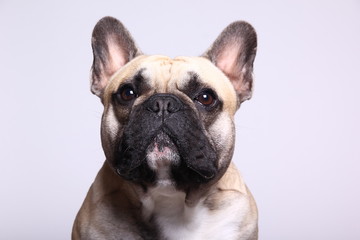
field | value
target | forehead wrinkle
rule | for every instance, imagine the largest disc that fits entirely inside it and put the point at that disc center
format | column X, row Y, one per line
column 167, row 74
column 159, row 73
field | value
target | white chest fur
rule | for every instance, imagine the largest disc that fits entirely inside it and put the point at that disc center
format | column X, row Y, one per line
column 178, row 221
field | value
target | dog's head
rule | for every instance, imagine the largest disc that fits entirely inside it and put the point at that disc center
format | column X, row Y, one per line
column 170, row 120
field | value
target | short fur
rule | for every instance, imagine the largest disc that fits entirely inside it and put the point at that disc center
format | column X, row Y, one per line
column 168, row 136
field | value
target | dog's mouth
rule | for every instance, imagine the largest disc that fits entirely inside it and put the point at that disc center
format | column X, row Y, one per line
column 162, row 151
column 161, row 155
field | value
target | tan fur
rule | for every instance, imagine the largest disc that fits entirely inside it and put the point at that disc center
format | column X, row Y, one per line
column 112, row 200
column 170, row 75
column 117, row 209
column 168, row 128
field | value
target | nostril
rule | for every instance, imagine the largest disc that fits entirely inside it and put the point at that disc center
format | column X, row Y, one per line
column 172, row 106
column 167, row 105
column 154, row 106
column 157, row 106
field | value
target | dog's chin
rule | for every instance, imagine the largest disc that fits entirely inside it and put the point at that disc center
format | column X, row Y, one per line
column 161, row 156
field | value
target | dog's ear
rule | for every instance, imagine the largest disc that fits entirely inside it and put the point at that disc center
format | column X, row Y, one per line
column 234, row 53
column 112, row 47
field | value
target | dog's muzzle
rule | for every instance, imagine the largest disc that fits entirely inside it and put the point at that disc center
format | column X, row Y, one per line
column 164, row 130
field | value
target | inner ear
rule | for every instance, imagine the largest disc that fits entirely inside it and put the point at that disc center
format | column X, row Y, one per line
column 227, row 61
column 113, row 47
column 118, row 56
column 233, row 52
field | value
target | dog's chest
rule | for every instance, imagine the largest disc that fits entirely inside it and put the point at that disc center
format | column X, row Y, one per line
column 175, row 220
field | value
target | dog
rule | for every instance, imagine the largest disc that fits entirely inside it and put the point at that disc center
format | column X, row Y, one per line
column 168, row 135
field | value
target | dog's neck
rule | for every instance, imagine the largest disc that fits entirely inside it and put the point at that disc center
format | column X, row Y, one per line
column 163, row 200
column 176, row 214
column 168, row 208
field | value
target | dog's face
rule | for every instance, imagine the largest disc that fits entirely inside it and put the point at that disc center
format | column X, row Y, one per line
column 170, row 121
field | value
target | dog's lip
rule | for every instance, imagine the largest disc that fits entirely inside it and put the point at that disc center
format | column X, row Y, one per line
column 162, row 153
column 162, row 140
column 207, row 175
column 161, row 144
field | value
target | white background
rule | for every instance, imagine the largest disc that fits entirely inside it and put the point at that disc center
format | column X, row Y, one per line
column 298, row 139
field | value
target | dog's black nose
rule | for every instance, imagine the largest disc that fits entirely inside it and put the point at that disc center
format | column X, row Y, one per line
column 163, row 104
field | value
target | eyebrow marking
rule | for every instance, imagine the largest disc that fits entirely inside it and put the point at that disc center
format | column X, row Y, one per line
column 193, row 85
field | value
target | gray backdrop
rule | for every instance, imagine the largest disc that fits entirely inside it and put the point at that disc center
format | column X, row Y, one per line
column 297, row 139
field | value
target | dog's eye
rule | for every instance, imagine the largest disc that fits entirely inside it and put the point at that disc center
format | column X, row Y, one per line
column 126, row 93
column 207, row 98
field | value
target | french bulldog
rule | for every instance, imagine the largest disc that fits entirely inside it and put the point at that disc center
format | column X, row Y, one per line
column 168, row 135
